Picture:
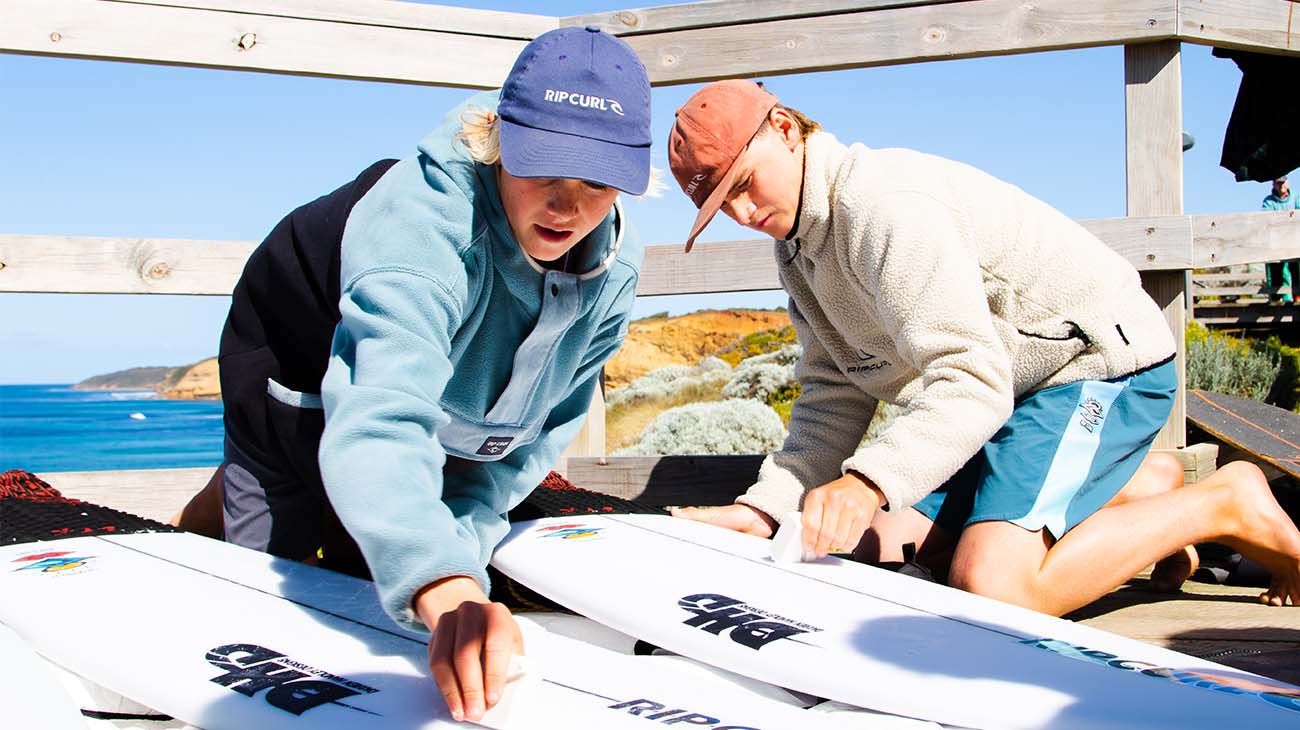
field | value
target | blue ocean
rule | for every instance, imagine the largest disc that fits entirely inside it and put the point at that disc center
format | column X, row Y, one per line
column 55, row 428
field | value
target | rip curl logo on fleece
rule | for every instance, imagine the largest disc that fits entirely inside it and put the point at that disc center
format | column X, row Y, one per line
column 586, row 101
column 494, row 445
column 867, row 362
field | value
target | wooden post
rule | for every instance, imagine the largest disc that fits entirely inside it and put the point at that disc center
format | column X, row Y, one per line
column 1153, row 118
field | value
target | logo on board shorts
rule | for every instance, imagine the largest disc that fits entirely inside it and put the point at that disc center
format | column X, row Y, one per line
column 290, row 685
column 1276, row 694
column 576, row 531
column 744, row 624
column 669, row 715
column 494, row 445
column 1091, row 414
column 56, row 562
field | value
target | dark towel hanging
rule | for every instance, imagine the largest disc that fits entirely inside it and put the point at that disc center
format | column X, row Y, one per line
column 1262, row 141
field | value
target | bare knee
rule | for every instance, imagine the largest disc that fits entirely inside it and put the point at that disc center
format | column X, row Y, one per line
column 1159, row 473
column 1241, row 472
column 1164, row 470
column 1238, row 477
column 986, row 578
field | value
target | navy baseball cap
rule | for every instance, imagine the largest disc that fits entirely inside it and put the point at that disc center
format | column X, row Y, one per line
column 577, row 105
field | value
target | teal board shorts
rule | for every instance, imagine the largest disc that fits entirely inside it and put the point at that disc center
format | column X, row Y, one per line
column 1063, row 454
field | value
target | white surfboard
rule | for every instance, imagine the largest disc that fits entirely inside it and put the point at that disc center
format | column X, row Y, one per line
column 31, row 695
column 223, row 637
column 872, row 638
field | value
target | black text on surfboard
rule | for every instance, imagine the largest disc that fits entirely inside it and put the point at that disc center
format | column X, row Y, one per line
column 250, row 669
column 749, row 626
column 659, row 712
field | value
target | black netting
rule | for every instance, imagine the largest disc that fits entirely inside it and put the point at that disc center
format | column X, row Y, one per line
column 557, row 497
column 32, row 510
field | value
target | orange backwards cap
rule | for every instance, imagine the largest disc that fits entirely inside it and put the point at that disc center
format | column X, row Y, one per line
column 712, row 129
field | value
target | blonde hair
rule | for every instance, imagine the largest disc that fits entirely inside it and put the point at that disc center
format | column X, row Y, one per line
column 481, row 137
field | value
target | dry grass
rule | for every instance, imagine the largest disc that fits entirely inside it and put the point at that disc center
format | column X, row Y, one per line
column 624, row 423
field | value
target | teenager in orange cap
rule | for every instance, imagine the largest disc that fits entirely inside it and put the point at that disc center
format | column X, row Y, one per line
column 1030, row 371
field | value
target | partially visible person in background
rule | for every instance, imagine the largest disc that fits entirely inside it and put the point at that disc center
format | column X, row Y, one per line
column 1285, row 274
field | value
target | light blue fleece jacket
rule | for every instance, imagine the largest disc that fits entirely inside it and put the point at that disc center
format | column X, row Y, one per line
column 453, row 341
column 1272, row 202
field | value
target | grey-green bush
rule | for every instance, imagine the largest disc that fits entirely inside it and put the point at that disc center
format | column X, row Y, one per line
column 724, row 427
column 669, row 380
column 760, row 377
column 1225, row 365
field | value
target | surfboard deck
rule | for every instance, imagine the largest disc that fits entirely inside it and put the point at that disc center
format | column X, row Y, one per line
column 31, row 696
column 1269, row 432
column 223, row 637
column 871, row 638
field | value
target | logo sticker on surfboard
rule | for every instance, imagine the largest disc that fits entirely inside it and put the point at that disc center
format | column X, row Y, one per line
column 52, row 562
column 573, row 531
column 290, row 685
column 1286, row 697
column 744, row 624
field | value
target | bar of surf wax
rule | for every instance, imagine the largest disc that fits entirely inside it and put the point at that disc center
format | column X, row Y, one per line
column 512, row 712
column 787, row 545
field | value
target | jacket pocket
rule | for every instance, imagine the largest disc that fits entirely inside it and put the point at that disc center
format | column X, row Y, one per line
column 1043, row 350
column 295, row 422
column 291, row 397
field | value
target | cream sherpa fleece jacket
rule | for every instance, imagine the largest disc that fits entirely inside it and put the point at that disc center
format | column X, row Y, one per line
column 926, row 283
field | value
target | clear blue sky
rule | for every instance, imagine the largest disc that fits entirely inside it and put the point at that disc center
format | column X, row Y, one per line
column 114, row 149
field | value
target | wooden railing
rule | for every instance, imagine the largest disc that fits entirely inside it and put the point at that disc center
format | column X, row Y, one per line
column 391, row 41
column 1241, row 300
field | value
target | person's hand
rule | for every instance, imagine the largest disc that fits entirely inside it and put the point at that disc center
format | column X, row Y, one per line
column 836, row 514
column 473, row 640
column 738, row 517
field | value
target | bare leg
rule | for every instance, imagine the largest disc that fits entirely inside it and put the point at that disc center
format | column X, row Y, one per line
column 202, row 514
column 883, row 542
column 1233, row 506
column 1158, row 474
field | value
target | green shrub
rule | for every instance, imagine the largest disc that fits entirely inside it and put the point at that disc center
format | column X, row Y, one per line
column 1226, row 364
column 758, row 343
column 731, row 426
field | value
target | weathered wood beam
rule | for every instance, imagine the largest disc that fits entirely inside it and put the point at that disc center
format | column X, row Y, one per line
column 83, row 265
column 1267, row 26
column 1151, row 243
column 667, row 480
column 386, row 13
column 1245, row 315
column 898, row 35
column 713, row 13
column 1224, row 239
column 189, row 36
column 87, row 265
column 1154, row 165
